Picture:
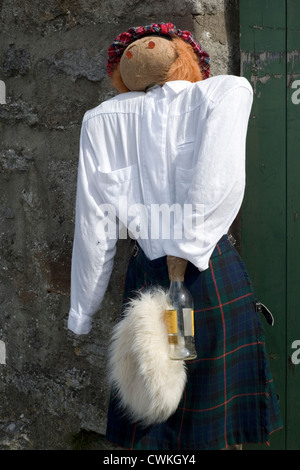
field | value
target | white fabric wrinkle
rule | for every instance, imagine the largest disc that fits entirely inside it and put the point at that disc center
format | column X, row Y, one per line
column 182, row 143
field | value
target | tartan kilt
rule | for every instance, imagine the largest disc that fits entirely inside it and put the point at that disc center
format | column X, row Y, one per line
column 229, row 397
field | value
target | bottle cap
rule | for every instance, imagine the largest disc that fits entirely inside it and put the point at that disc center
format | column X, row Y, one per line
column 176, row 268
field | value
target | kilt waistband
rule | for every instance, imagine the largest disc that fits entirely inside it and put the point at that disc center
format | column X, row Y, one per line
column 224, row 244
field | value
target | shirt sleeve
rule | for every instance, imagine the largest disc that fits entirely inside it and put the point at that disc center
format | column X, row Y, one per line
column 93, row 249
column 217, row 186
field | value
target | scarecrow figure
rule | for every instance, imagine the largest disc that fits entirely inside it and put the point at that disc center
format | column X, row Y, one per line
column 175, row 138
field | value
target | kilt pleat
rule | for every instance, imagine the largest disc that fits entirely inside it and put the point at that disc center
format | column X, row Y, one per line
column 230, row 396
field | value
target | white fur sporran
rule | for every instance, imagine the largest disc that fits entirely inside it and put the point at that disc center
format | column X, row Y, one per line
column 148, row 384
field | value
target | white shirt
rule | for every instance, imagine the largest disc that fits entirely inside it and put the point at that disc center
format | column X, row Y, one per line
column 175, row 147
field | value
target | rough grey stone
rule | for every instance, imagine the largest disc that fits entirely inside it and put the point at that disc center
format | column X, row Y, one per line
column 79, row 64
column 17, row 111
column 16, row 61
column 10, row 160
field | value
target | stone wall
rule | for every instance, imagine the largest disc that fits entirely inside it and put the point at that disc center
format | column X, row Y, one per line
column 53, row 391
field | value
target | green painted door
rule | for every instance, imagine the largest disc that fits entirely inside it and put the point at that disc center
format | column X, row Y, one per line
column 270, row 59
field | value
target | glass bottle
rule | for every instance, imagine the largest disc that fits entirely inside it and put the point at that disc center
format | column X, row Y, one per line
column 179, row 316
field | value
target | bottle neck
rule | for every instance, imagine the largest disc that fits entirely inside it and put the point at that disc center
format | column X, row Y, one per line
column 175, row 284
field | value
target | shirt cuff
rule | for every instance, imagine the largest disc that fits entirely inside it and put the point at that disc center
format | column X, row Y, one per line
column 79, row 324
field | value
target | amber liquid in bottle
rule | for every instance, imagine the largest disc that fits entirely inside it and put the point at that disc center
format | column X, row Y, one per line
column 179, row 318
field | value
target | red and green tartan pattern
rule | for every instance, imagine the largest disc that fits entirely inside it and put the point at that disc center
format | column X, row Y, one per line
column 230, row 395
column 123, row 40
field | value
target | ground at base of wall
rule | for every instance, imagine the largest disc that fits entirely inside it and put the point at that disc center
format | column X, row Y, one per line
column 90, row 440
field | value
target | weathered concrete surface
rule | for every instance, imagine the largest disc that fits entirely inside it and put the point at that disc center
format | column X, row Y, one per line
column 53, row 389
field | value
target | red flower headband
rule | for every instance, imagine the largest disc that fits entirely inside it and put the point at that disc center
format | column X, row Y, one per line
column 119, row 45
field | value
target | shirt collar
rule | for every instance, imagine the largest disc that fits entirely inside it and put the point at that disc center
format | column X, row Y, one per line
column 177, row 85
